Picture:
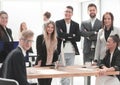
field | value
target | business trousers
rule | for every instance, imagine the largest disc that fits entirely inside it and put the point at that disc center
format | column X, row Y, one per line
column 46, row 81
column 88, row 57
column 69, row 60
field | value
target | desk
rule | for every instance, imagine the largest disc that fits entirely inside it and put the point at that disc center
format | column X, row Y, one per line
column 70, row 71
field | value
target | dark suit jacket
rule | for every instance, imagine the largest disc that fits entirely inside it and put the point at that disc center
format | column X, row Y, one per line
column 42, row 52
column 73, row 36
column 89, row 33
column 14, row 67
column 115, row 61
column 5, row 40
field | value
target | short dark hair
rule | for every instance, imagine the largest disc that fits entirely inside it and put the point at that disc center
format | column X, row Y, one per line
column 115, row 38
column 3, row 12
column 47, row 14
column 70, row 7
column 92, row 5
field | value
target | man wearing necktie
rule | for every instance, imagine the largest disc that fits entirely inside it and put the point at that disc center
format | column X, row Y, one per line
column 15, row 60
column 5, row 36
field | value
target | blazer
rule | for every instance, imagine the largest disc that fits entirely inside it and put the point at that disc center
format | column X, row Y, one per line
column 42, row 52
column 3, row 35
column 115, row 61
column 101, row 43
column 73, row 36
column 4, row 39
column 89, row 34
column 14, row 67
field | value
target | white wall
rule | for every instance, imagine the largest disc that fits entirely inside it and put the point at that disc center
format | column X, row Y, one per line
column 114, row 7
column 31, row 11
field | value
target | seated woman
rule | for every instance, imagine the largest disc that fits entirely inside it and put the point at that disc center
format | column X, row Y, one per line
column 111, row 62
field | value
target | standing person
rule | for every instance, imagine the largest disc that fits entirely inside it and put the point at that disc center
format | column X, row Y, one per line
column 47, row 52
column 14, row 65
column 89, row 30
column 110, row 62
column 23, row 27
column 69, row 32
column 46, row 17
column 5, row 35
column 103, row 34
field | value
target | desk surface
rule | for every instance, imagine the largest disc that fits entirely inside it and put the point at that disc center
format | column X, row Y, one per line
column 70, row 71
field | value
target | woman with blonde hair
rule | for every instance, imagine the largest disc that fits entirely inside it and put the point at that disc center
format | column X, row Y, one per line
column 46, row 45
column 23, row 26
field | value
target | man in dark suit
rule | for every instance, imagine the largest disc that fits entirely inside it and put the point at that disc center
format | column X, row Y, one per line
column 14, row 64
column 89, row 30
column 69, row 32
column 5, row 36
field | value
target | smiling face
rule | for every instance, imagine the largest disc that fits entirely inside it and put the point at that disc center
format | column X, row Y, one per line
column 110, row 43
column 92, row 11
column 107, row 20
column 50, row 28
column 26, row 39
column 4, row 20
column 68, row 13
column 26, row 43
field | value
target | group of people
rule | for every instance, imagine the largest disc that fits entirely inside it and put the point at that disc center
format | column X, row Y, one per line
column 101, row 41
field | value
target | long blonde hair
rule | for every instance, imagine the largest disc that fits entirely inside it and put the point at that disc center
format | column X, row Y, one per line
column 51, row 43
column 21, row 26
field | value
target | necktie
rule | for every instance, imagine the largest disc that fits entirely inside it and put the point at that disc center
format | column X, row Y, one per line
column 26, row 57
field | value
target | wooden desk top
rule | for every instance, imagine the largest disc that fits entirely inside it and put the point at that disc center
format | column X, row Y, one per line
column 70, row 71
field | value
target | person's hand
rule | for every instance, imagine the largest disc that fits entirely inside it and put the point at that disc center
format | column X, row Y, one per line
column 103, row 71
column 39, row 63
column 36, row 66
column 94, row 63
column 111, row 69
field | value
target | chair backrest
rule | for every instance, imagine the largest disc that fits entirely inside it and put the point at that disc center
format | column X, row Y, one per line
column 4, row 81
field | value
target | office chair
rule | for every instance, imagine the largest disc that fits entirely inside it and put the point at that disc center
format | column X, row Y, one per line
column 4, row 81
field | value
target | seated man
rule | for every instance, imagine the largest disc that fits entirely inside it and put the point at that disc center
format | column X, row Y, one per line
column 14, row 65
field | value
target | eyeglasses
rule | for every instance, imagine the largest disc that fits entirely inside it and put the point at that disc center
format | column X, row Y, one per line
column 28, row 41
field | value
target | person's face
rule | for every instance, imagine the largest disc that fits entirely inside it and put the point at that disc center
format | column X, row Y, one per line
column 24, row 26
column 50, row 28
column 45, row 18
column 68, row 13
column 107, row 20
column 4, row 20
column 110, row 43
column 26, row 43
column 92, row 11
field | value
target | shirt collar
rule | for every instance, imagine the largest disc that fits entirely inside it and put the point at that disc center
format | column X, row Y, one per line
column 23, row 51
column 111, row 28
column 92, row 19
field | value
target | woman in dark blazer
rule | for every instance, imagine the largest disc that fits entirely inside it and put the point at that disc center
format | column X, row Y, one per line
column 111, row 62
column 5, row 36
column 46, row 46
